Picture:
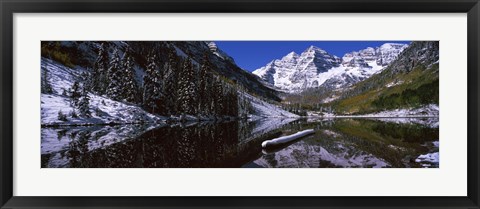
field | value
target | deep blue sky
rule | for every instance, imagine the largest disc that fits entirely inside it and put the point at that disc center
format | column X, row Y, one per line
column 251, row 55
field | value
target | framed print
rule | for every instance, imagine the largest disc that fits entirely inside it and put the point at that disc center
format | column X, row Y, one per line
column 266, row 104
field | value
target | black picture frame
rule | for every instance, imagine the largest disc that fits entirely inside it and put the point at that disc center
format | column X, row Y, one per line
column 9, row 7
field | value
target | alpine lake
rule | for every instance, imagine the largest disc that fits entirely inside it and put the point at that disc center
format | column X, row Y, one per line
column 336, row 143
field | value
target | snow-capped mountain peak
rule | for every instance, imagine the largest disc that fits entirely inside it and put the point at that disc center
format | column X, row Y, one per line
column 315, row 67
column 390, row 51
column 313, row 48
column 389, row 46
column 291, row 55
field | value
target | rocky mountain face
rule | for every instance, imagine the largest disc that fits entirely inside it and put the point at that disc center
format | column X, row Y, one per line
column 420, row 53
column 218, row 52
column 315, row 67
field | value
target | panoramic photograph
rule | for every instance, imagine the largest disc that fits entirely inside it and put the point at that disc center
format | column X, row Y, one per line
column 239, row 104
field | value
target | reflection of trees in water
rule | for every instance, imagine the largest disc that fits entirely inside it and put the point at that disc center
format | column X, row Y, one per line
column 200, row 145
column 407, row 132
column 398, row 144
column 61, row 133
column 204, row 145
column 244, row 130
column 77, row 148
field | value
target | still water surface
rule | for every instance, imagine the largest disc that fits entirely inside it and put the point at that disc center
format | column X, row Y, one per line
column 337, row 143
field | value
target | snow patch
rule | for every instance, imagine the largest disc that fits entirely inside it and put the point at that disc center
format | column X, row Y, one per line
column 393, row 83
column 429, row 157
column 427, row 111
column 331, row 99
column 103, row 110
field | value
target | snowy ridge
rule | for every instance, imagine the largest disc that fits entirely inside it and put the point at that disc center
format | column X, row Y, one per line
column 103, row 110
column 316, row 67
column 382, row 55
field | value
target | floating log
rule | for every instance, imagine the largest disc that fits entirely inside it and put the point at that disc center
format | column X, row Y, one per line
column 285, row 139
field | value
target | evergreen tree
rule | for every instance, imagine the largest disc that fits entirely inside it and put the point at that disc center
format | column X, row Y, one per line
column 74, row 94
column 203, row 90
column 211, row 107
column 84, row 104
column 115, row 76
column 232, row 102
column 152, row 87
column 187, row 91
column 73, row 114
column 170, row 83
column 130, row 86
column 64, row 93
column 99, row 80
column 46, row 88
column 147, row 96
column 218, row 100
column 84, row 76
column 97, row 111
column 61, row 116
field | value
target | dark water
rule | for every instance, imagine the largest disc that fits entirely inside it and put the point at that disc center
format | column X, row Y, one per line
column 336, row 143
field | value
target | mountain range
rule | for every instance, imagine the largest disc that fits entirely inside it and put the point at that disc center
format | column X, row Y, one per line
column 315, row 67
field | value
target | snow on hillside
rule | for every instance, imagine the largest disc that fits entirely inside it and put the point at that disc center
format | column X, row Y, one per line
column 103, row 110
column 431, row 110
column 432, row 122
column 265, row 109
column 108, row 111
column 425, row 116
